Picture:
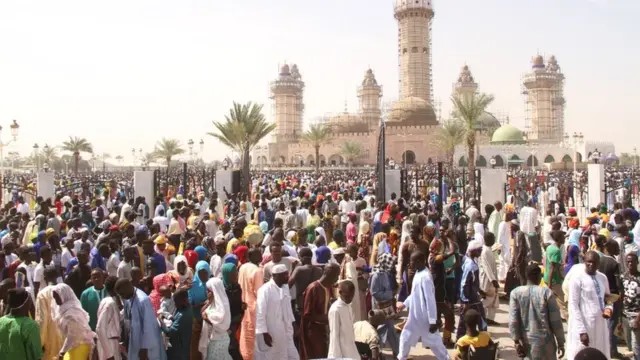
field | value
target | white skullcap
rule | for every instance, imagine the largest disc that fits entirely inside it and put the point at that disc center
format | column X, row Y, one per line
column 290, row 235
column 474, row 245
column 338, row 251
column 279, row 269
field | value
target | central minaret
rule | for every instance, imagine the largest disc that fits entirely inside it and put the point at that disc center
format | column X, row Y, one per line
column 414, row 48
column 287, row 92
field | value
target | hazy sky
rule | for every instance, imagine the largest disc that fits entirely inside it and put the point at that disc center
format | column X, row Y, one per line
column 126, row 73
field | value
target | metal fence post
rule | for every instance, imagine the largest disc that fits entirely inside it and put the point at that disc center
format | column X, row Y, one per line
column 185, row 179
column 441, row 193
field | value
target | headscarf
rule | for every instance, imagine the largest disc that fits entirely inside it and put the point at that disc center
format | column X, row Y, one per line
column 177, row 277
column 198, row 292
column 320, row 230
column 478, row 228
column 474, row 245
column 202, row 252
column 192, row 258
column 574, row 237
column 241, row 253
column 230, row 259
column 406, row 231
column 227, row 269
column 155, row 296
column 218, row 314
column 71, row 312
column 323, row 254
column 435, row 248
column 311, row 234
column 386, row 263
column 264, row 227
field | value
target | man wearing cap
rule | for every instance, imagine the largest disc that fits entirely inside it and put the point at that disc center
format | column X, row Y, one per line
column 470, row 286
column 274, row 318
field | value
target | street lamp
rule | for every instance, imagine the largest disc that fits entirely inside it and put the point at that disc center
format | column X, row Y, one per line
column 190, row 144
column 14, row 134
column 225, row 163
column 66, row 165
column 36, row 156
column 201, row 148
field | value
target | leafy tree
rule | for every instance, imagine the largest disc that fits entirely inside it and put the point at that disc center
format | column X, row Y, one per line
column 243, row 128
column 76, row 146
column 316, row 136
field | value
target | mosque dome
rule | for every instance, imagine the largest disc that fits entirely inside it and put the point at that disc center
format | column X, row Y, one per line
column 369, row 79
column 412, row 111
column 487, row 122
column 347, row 123
column 284, row 70
column 507, row 134
column 537, row 62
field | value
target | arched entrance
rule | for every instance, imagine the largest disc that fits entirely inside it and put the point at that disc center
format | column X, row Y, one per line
column 532, row 161
column 311, row 160
column 462, row 162
column 481, row 161
column 549, row 159
column 336, row 160
column 567, row 159
column 408, row 157
column 323, row 161
column 499, row 161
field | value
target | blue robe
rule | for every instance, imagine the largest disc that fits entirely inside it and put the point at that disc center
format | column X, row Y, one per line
column 145, row 330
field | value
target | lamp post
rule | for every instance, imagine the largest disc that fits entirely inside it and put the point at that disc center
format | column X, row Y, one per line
column 190, row 144
column 225, row 163
column 201, row 149
column 36, row 156
column 14, row 134
column 66, row 166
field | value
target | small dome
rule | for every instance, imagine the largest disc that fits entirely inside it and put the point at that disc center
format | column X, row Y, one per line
column 413, row 111
column 369, row 79
column 507, row 134
column 347, row 123
column 295, row 72
column 487, row 122
column 284, row 70
column 537, row 62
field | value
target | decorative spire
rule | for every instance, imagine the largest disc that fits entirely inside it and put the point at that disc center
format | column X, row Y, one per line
column 369, row 79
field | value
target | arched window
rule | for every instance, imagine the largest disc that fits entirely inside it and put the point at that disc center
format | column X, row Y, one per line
column 532, row 161
column 549, row 159
column 499, row 161
column 462, row 162
column 409, row 157
column 567, row 159
column 481, row 161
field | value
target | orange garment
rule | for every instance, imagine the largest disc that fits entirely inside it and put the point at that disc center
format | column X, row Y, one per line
column 250, row 278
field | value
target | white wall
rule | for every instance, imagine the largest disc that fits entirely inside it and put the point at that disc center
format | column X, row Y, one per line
column 46, row 189
column 143, row 186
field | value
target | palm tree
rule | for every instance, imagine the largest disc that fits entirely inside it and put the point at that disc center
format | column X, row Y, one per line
column 119, row 158
column 351, row 151
column 450, row 135
column 75, row 146
column 468, row 109
column 244, row 127
column 167, row 149
column 148, row 158
column 316, row 136
column 49, row 154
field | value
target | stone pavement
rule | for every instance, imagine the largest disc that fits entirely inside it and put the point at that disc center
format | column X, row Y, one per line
column 498, row 333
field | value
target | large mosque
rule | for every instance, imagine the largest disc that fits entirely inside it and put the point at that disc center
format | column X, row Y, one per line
column 410, row 120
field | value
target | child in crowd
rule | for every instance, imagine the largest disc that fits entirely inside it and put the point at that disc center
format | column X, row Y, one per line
column 472, row 337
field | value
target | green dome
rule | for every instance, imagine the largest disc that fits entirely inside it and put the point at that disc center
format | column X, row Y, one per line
column 507, row 134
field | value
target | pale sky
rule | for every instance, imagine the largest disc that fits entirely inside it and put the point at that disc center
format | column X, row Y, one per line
column 125, row 73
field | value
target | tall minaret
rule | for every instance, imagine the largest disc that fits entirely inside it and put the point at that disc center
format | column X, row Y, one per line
column 465, row 86
column 414, row 48
column 543, row 91
column 369, row 95
column 286, row 93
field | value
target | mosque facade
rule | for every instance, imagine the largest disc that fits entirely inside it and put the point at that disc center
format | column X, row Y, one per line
column 411, row 121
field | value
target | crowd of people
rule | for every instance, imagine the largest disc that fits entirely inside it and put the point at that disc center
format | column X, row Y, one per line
column 313, row 266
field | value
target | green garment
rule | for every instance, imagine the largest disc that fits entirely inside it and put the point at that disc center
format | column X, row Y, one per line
column 553, row 256
column 19, row 338
column 179, row 334
column 90, row 300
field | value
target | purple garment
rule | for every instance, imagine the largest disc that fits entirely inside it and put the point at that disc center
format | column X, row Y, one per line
column 573, row 253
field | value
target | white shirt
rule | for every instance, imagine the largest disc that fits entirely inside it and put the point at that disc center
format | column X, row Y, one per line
column 23, row 208
column 528, row 219
column 342, row 343
column 345, row 207
column 112, row 264
column 163, row 221
column 65, row 257
column 553, row 193
column 274, row 316
column 38, row 273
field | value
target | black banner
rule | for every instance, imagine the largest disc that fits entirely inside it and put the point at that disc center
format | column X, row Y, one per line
column 380, row 165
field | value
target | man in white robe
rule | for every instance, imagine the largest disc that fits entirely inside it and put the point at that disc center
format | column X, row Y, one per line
column 504, row 239
column 489, row 279
column 421, row 305
column 108, row 325
column 587, row 292
column 495, row 218
column 342, row 343
column 274, row 318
